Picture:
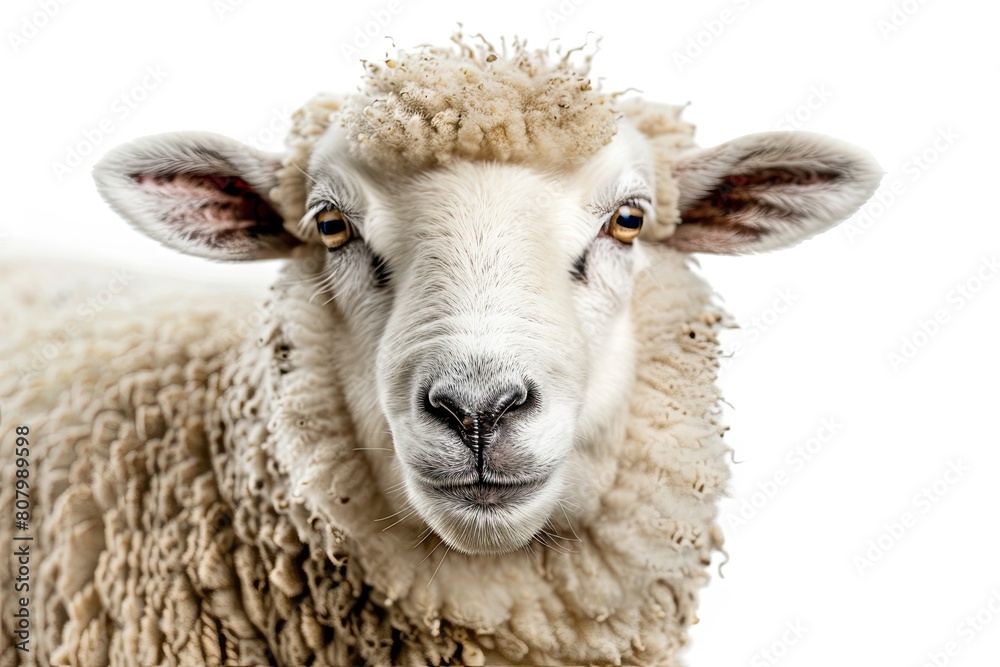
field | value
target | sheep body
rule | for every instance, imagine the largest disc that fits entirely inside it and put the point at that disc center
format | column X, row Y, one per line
column 197, row 501
column 206, row 485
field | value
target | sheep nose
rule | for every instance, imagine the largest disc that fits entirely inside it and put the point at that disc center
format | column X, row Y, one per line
column 475, row 421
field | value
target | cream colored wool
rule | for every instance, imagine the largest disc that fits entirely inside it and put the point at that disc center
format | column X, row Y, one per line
column 669, row 137
column 199, row 502
column 415, row 111
column 429, row 107
column 198, row 498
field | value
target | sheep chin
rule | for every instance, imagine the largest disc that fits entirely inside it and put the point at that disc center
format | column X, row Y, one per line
column 486, row 528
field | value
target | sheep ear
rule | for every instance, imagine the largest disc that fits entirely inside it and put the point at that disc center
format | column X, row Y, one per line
column 199, row 193
column 767, row 191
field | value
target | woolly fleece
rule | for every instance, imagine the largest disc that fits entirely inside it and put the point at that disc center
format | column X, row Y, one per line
column 416, row 111
column 197, row 496
column 197, row 502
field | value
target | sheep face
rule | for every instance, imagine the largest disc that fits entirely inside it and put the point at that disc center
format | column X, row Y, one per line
column 493, row 301
column 483, row 306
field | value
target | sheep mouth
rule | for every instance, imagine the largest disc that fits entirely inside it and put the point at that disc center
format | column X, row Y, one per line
column 486, row 517
column 485, row 494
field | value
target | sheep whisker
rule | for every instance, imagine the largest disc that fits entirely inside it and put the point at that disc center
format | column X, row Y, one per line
column 396, row 514
column 446, row 552
column 427, row 532
column 428, row 554
column 404, row 518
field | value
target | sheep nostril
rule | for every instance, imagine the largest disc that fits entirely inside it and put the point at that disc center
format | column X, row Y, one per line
column 445, row 409
column 472, row 420
column 509, row 401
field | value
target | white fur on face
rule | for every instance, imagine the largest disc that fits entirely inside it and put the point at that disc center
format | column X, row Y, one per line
column 487, row 340
column 493, row 276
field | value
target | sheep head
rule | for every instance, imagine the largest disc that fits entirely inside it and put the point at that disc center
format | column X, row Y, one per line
column 476, row 221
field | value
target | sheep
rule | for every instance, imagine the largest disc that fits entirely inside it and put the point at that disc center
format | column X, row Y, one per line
column 476, row 420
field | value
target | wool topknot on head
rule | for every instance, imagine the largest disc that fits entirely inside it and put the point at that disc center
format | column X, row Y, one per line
column 428, row 107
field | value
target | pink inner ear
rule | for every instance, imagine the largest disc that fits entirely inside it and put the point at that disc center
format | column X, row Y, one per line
column 779, row 176
column 736, row 201
column 735, row 215
column 209, row 205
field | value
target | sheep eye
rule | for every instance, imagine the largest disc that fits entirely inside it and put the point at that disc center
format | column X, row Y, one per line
column 625, row 224
column 333, row 228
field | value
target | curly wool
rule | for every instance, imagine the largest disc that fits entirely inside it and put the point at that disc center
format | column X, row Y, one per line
column 199, row 497
column 668, row 135
column 430, row 107
column 199, row 500
column 435, row 105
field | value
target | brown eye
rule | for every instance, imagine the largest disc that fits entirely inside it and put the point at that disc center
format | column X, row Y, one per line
column 625, row 224
column 333, row 228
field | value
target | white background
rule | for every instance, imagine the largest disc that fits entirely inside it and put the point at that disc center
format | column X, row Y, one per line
column 857, row 294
